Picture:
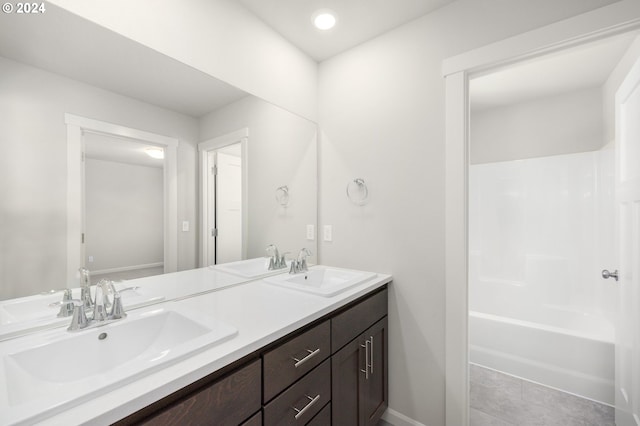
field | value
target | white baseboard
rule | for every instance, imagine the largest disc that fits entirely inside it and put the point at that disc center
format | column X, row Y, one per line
column 127, row 268
column 399, row 419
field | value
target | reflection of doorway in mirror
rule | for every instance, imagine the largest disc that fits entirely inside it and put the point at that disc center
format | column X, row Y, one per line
column 223, row 178
column 123, row 207
column 226, row 198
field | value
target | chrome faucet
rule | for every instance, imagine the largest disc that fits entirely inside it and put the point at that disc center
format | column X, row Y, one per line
column 101, row 303
column 300, row 264
column 66, row 309
column 276, row 261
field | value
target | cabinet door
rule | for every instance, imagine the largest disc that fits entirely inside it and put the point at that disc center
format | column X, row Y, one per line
column 345, row 386
column 374, row 390
column 359, row 373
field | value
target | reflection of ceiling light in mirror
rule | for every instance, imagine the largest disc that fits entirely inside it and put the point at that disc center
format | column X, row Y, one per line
column 324, row 19
column 157, row 153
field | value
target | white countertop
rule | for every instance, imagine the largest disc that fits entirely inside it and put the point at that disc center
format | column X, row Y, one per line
column 262, row 313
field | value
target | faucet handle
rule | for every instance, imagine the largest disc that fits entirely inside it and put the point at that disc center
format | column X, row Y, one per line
column 79, row 320
column 66, row 308
column 282, row 262
column 117, row 310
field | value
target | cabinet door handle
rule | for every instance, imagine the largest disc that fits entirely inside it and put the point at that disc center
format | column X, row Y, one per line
column 366, row 359
column 306, row 407
column 299, row 362
column 371, row 352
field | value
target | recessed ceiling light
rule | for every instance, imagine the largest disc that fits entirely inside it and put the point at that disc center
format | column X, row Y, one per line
column 157, row 153
column 324, row 19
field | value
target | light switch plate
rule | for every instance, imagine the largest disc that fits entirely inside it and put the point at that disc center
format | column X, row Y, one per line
column 310, row 232
column 328, row 233
column 185, row 226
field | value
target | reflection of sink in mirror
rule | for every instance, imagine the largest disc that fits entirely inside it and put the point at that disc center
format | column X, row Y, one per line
column 250, row 268
column 322, row 280
column 76, row 365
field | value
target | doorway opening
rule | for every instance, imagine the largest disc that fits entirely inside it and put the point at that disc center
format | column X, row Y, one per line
column 459, row 71
column 106, row 153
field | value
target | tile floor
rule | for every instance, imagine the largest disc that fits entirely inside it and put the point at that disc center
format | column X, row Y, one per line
column 497, row 399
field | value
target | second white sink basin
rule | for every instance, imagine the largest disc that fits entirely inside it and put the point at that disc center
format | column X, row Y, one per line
column 71, row 366
column 322, row 280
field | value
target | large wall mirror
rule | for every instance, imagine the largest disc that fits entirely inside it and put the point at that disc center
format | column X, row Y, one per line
column 139, row 210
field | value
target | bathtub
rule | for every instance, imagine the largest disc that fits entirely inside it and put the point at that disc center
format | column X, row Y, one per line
column 578, row 360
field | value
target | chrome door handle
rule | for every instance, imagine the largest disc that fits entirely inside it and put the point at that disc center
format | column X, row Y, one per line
column 367, row 355
column 371, row 364
column 299, row 362
column 306, row 407
column 606, row 274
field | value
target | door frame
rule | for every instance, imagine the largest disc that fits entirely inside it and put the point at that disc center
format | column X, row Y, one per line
column 204, row 148
column 607, row 21
column 76, row 127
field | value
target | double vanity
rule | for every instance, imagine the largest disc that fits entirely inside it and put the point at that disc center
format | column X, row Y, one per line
column 227, row 345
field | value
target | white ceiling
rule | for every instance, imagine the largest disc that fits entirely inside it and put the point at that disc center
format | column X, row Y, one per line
column 65, row 44
column 358, row 20
column 570, row 70
column 119, row 150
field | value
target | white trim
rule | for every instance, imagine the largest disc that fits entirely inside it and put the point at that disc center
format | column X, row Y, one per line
column 598, row 24
column 127, row 268
column 601, row 23
column 76, row 125
column 399, row 419
column 204, row 148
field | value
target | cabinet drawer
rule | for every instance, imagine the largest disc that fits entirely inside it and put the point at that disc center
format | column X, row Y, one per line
column 280, row 366
column 255, row 420
column 228, row 401
column 308, row 395
column 323, row 418
column 347, row 325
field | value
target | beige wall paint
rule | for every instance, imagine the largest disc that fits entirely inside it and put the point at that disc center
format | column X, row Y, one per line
column 33, row 170
column 561, row 124
column 381, row 114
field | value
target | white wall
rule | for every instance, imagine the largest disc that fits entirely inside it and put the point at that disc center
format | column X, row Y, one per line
column 381, row 115
column 218, row 37
column 33, row 170
column 124, row 215
column 560, row 124
column 281, row 151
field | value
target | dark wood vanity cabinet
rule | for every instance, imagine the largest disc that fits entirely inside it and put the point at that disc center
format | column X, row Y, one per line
column 331, row 372
column 230, row 400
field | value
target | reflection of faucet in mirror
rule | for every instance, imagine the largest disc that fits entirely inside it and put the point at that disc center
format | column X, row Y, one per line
column 300, row 264
column 85, row 288
column 277, row 261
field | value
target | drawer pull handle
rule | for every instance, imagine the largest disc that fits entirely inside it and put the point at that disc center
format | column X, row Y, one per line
column 299, row 362
column 306, row 407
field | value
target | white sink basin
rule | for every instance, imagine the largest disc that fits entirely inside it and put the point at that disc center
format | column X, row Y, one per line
column 250, row 268
column 322, row 280
column 64, row 367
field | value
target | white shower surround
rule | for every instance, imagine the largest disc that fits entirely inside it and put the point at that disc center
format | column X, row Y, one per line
column 540, row 231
